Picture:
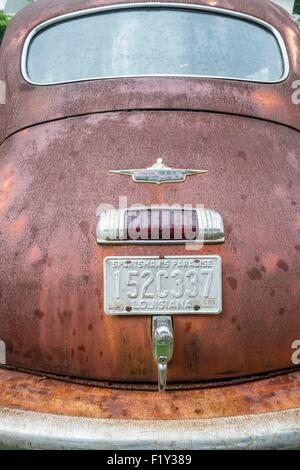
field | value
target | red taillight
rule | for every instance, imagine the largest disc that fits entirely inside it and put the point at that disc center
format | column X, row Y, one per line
column 160, row 224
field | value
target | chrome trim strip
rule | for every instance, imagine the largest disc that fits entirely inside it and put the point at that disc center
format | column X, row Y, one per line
column 244, row 16
column 22, row 429
column 111, row 227
column 154, row 174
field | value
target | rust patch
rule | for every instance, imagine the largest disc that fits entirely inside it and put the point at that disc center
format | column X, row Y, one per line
column 255, row 274
column 232, row 282
column 241, row 154
column 23, row 391
column 84, row 227
column 281, row 264
column 38, row 313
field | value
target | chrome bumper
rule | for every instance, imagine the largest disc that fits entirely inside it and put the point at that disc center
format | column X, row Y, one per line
column 32, row 430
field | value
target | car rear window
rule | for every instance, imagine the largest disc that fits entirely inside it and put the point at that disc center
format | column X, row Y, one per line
column 147, row 41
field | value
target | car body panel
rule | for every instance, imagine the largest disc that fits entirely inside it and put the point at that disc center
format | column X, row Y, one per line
column 46, row 414
column 47, row 103
column 47, row 396
column 73, row 377
column 54, row 177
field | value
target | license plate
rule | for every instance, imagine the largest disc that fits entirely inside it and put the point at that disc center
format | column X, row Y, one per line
column 173, row 285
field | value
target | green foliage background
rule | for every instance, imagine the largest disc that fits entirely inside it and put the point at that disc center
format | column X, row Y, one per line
column 4, row 20
column 297, row 7
column 296, row 11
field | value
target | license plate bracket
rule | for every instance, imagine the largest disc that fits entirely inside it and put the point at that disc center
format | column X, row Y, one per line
column 170, row 285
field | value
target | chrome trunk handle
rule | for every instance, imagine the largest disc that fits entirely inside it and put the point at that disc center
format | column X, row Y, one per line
column 162, row 343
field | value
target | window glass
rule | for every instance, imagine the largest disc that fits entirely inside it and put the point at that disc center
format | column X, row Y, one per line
column 154, row 41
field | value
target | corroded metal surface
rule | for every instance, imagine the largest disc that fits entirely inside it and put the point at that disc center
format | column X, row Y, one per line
column 54, row 176
column 28, row 105
column 30, row 393
column 152, row 386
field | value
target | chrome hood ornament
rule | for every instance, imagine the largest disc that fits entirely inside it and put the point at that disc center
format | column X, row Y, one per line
column 159, row 173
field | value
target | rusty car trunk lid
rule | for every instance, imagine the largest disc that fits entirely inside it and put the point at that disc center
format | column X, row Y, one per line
column 54, row 177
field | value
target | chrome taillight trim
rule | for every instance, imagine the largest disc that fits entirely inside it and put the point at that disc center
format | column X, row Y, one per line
column 111, row 228
column 211, row 222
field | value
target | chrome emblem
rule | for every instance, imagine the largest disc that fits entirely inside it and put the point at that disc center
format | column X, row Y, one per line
column 159, row 173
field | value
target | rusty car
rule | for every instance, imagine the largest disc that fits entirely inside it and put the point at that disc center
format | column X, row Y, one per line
column 149, row 225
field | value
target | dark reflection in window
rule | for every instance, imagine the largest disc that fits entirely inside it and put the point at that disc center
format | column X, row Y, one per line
column 154, row 41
